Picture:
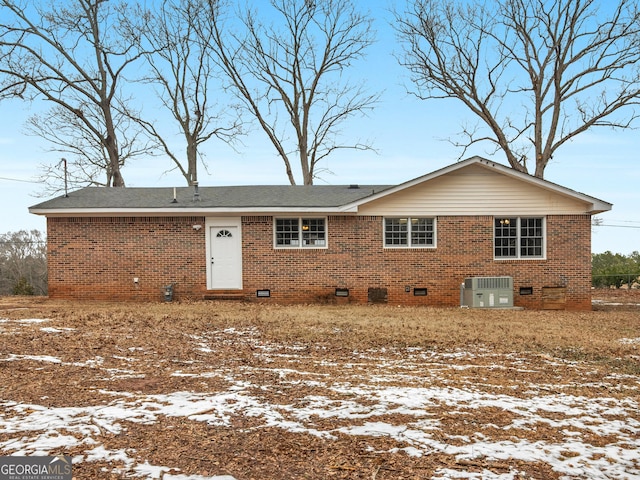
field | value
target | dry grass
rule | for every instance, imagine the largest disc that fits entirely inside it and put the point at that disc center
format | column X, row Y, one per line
column 527, row 354
column 594, row 336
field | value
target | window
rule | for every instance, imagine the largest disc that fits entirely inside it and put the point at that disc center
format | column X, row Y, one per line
column 300, row 232
column 519, row 237
column 409, row 232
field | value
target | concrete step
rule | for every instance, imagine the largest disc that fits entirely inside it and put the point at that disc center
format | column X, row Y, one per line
column 224, row 295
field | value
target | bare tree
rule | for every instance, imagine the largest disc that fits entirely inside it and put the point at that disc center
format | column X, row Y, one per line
column 72, row 55
column 182, row 68
column 535, row 73
column 290, row 75
column 69, row 136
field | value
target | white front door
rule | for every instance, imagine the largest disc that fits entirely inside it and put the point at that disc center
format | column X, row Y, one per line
column 225, row 257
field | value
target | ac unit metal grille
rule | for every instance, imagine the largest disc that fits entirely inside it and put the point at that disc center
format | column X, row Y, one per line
column 494, row 282
column 485, row 283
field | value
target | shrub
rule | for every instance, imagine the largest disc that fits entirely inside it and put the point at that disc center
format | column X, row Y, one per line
column 23, row 287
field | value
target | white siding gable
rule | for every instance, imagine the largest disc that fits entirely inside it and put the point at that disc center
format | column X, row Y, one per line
column 474, row 190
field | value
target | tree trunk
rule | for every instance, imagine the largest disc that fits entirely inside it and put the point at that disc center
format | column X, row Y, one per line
column 116, row 179
column 192, row 162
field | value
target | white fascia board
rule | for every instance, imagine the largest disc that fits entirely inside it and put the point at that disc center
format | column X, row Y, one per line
column 154, row 212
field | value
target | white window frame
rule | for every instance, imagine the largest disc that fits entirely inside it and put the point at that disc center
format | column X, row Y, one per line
column 409, row 243
column 518, row 237
column 301, row 241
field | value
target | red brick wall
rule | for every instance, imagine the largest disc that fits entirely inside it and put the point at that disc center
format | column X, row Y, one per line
column 98, row 258
column 355, row 259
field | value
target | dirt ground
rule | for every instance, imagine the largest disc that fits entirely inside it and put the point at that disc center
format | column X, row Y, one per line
column 307, row 392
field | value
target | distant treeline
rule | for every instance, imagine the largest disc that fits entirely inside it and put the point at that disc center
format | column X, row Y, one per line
column 615, row 270
column 23, row 263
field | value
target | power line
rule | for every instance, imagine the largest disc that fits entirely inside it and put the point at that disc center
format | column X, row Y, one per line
column 611, row 225
column 18, row 180
column 616, row 220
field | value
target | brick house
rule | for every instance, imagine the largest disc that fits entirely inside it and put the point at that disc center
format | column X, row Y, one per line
column 413, row 243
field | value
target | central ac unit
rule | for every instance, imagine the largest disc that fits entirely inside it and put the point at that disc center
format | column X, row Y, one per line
column 488, row 292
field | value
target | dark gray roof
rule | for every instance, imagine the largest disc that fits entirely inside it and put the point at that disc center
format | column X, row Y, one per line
column 266, row 196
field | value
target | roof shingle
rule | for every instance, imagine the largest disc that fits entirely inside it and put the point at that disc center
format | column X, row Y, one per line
column 277, row 196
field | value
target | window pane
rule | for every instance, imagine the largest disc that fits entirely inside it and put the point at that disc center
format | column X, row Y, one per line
column 531, row 237
column 313, row 232
column 505, row 237
column 287, row 231
column 505, row 247
column 422, row 231
column 395, row 231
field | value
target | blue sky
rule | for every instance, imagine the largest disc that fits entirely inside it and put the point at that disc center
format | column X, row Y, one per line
column 408, row 134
